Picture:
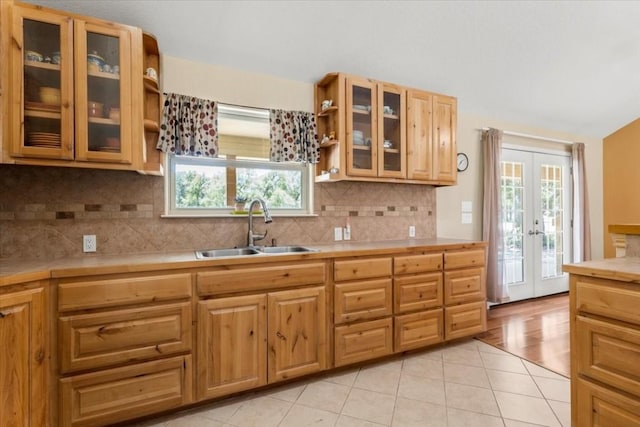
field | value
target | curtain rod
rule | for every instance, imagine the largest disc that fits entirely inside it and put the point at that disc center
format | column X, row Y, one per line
column 541, row 138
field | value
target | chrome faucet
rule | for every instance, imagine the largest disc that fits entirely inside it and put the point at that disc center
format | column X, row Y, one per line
column 251, row 236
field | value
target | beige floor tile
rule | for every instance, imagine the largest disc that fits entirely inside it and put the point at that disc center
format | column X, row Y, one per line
column 503, row 362
column 462, row 356
column 422, row 389
column 194, row 421
column 343, row 377
column 223, row 410
column 434, row 354
column 562, row 411
column 423, row 367
column 460, row 418
column 389, row 365
column 469, row 375
column 513, row 383
column 487, row 348
column 526, row 408
column 539, row 371
column 324, row 395
column 346, row 421
column 470, row 398
column 467, row 344
column 369, row 406
column 514, row 423
column 379, row 379
column 289, row 393
column 409, row 413
column 260, row 412
column 300, row 416
column 553, row 389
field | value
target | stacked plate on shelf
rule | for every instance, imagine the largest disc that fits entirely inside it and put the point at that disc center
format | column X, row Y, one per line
column 358, row 137
column 44, row 139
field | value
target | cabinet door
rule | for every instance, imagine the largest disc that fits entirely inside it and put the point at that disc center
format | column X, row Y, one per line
column 444, row 135
column 41, row 90
column 104, row 111
column 23, row 380
column 232, row 347
column 391, row 131
column 297, row 333
column 419, row 136
column 362, row 127
column 601, row 406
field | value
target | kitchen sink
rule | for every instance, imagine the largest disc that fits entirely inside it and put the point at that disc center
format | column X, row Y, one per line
column 284, row 249
column 216, row 253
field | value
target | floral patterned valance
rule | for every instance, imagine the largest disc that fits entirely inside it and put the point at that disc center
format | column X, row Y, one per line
column 293, row 137
column 189, row 126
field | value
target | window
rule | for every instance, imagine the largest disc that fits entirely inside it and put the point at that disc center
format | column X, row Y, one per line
column 209, row 187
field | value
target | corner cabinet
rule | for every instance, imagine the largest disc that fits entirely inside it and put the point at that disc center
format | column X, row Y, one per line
column 76, row 91
column 377, row 131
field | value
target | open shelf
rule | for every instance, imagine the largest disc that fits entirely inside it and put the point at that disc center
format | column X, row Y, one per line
column 150, row 84
column 103, row 75
column 103, row 121
column 329, row 143
column 151, row 125
column 327, row 111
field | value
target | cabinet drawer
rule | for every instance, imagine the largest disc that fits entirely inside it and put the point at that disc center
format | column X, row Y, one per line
column 599, row 406
column 464, row 320
column 609, row 353
column 417, row 263
column 466, row 285
column 362, row 269
column 419, row 292
column 363, row 341
column 263, row 278
column 101, row 339
column 122, row 291
column 418, row 329
column 123, row 393
column 462, row 259
column 607, row 298
column 362, row 300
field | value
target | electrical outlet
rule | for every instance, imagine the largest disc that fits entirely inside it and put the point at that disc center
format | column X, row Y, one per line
column 337, row 233
column 412, row 231
column 89, row 243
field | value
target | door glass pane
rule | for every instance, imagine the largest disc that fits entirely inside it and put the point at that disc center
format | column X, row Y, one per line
column 391, row 130
column 103, row 92
column 362, row 128
column 512, row 193
column 552, row 199
column 42, row 117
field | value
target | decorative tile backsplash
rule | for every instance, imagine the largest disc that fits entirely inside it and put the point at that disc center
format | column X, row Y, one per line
column 44, row 212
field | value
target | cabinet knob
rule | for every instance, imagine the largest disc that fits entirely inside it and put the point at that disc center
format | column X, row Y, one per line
column 2, row 315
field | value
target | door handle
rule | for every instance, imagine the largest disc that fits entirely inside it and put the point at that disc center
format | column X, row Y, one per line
column 535, row 233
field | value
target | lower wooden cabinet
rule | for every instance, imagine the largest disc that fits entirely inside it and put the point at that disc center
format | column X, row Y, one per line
column 601, row 406
column 418, row 330
column 363, row 341
column 113, row 395
column 465, row 320
column 232, row 345
column 23, row 359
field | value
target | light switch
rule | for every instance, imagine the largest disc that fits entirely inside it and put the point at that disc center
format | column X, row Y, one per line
column 467, row 217
column 467, row 206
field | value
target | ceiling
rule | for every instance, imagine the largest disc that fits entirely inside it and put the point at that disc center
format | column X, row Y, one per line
column 565, row 66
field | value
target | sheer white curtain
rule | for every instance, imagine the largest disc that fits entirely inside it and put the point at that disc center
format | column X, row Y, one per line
column 581, row 223
column 497, row 290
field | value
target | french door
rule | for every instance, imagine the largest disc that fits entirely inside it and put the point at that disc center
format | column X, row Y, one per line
column 536, row 208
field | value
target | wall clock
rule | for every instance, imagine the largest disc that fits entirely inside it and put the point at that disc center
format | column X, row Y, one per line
column 463, row 162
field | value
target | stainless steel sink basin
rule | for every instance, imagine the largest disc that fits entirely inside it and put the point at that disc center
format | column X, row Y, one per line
column 284, row 249
column 216, row 253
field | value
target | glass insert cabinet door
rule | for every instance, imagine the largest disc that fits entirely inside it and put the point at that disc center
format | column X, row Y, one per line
column 103, row 92
column 42, row 85
column 391, row 131
column 362, row 127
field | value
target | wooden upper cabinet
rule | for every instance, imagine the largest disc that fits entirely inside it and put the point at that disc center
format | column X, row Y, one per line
column 378, row 131
column 76, row 91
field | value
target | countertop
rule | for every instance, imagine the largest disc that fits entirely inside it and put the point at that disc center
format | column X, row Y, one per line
column 20, row 271
column 623, row 269
column 624, row 228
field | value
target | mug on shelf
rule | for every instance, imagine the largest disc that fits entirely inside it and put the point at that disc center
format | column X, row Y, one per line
column 151, row 73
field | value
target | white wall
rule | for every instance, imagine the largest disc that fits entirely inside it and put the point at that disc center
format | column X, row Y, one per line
column 449, row 199
column 239, row 87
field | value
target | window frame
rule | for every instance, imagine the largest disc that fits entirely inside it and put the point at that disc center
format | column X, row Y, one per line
column 171, row 161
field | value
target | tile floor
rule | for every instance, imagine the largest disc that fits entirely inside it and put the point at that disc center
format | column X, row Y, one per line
column 469, row 383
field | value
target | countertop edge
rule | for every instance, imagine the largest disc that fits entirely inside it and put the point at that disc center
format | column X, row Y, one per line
column 138, row 263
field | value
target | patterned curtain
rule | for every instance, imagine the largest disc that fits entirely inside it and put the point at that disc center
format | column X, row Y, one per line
column 293, row 137
column 189, row 126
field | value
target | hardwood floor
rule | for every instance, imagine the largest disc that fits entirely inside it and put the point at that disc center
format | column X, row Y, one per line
column 536, row 330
